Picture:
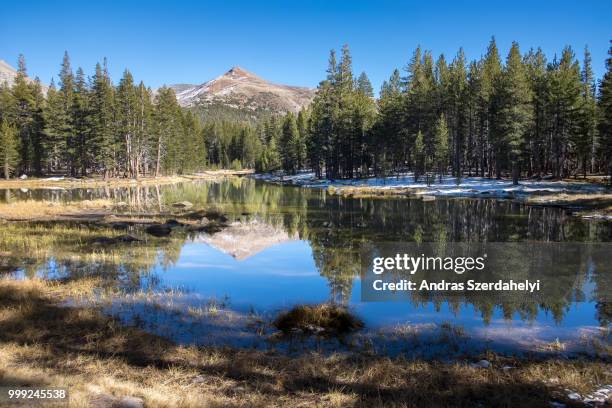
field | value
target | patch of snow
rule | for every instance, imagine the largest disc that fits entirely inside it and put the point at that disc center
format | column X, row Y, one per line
column 448, row 186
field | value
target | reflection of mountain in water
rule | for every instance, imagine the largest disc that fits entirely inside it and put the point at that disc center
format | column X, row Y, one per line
column 242, row 240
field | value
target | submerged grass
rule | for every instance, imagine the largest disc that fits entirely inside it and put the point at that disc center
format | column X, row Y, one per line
column 326, row 318
column 43, row 343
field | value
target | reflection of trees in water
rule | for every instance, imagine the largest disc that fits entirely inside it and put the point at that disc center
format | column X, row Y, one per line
column 70, row 251
column 338, row 228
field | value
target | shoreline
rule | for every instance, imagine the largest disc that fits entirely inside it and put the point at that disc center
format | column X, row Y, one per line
column 45, row 341
column 91, row 182
column 582, row 198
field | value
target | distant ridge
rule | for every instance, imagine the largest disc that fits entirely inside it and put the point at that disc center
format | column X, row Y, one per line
column 8, row 75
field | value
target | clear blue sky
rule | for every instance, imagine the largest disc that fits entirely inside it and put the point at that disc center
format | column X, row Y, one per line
column 285, row 41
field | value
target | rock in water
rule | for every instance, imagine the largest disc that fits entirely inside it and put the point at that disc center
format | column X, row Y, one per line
column 159, row 230
column 174, row 224
column 481, row 364
column 183, row 204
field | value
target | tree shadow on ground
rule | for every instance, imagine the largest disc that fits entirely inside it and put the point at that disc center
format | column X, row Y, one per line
column 30, row 317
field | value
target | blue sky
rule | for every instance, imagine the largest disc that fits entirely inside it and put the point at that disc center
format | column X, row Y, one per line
column 285, row 41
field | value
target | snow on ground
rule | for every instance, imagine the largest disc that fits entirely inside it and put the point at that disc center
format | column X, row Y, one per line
column 449, row 186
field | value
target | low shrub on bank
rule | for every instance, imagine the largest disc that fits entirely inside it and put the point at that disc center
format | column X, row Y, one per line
column 325, row 319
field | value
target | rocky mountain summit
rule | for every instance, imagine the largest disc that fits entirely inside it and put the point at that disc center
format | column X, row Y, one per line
column 241, row 89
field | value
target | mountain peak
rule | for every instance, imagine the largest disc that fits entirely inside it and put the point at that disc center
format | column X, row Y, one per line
column 237, row 71
column 243, row 90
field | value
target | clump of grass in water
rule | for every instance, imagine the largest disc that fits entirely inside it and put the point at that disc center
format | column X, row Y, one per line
column 325, row 319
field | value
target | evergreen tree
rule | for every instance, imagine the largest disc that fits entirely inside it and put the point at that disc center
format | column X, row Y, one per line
column 103, row 143
column 65, row 118
column 564, row 102
column 9, row 148
column 55, row 130
column 79, row 141
column 587, row 140
column 538, row 145
column 441, row 146
column 23, row 116
column 605, row 115
column 418, row 156
column 364, row 86
column 513, row 113
column 290, row 139
column 167, row 124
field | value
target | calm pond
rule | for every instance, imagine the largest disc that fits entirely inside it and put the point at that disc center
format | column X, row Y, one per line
column 289, row 245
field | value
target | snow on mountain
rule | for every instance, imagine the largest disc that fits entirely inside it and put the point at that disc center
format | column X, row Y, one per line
column 238, row 88
column 8, row 75
column 242, row 240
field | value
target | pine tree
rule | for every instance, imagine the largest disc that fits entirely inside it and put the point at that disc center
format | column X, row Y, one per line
column 127, row 124
column 37, row 135
column 23, row 115
column 289, row 143
column 564, row 101
column 79, row 140
column 458, row 110
column 103, row 143
column 605, row 114
column 65, row 118
column 364, row 86
column 387, row 132
column 491, row 73
column 9, row 148
column 55, row 137
column 441, row 146
column 538, row 78
column 167, row 122
column 418, row 156
column 513, row 113
column 587, row 146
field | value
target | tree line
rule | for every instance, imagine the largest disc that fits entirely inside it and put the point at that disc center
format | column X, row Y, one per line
column 87, row 125
column 525, row 117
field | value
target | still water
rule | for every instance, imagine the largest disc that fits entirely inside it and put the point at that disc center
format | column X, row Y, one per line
column 289, row 245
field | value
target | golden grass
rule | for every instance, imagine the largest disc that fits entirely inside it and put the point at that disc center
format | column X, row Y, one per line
column 328, row 318
column 598, row 204
column 87, row 182
column 40, row 209
column 45, row 344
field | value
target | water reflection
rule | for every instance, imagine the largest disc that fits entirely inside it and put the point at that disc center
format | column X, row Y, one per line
column 287, row 245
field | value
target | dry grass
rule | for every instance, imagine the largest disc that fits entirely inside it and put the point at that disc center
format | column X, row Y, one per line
column 25, row 210
column 327, row 318
column 88, row 182
column 42, row 343
column 595, row 204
